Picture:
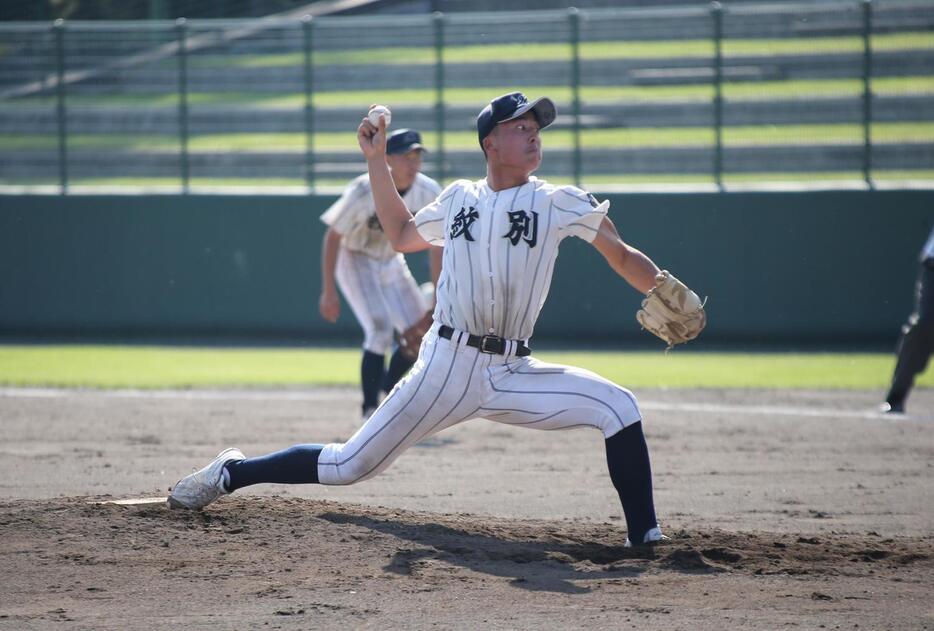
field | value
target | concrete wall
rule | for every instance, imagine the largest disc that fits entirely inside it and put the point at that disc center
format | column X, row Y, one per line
column 802, row 269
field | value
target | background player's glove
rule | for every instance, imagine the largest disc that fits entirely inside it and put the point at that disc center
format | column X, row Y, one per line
column 671, row 311
column 411, row 339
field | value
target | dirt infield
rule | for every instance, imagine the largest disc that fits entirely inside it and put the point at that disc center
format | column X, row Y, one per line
column 793, row 509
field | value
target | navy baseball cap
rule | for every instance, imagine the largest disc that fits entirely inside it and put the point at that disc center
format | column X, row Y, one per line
column 403, row 141
column 513, row 105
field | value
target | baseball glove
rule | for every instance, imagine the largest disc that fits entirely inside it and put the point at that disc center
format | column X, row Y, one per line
column 671, row 311
column 410, row 340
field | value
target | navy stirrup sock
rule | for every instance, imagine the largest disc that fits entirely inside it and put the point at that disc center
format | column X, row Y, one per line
column 627, row 456
column 295, row 465
column 399, row 364
column 372, row 373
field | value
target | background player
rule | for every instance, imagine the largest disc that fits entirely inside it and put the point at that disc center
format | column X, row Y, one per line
column 373, row 277
column 500, row 238
column 917, row 338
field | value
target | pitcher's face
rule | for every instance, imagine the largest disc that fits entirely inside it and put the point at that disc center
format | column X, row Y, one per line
column 515, row 143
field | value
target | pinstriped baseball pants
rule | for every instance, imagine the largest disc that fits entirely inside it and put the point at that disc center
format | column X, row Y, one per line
column 452, row 382
column 382, row 294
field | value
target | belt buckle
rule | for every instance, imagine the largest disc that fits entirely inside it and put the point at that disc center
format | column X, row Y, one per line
column 492, row 345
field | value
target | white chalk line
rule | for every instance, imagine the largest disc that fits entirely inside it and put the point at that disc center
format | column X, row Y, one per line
column 336, row 394
column 779, row 410
column 193, row 395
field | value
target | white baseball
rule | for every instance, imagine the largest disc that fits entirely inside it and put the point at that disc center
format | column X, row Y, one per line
column 376, row 111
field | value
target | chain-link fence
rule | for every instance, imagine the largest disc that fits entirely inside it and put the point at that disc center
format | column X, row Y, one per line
column 831, row 92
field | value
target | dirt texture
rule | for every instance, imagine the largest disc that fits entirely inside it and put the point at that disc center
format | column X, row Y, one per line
column 787, row 509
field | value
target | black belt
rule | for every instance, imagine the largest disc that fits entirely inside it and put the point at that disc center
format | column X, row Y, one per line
column 491, row 344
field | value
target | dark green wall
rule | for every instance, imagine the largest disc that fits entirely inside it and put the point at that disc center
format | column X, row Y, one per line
column 779, row 268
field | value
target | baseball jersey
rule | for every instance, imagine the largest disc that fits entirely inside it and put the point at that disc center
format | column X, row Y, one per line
column 500, row 249
column 354, row 215
column 927, row 252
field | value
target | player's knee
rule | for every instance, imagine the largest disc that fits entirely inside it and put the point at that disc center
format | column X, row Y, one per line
column 355, row 467
column 338, row 468
column 379, row 344
column 379, row 339
column 359, row 468
column 919, row 326
column 623, row 412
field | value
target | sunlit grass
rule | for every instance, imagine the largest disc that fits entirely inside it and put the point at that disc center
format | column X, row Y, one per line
column 170, row 367
column 613, row 138
column 591, row 181
column 809, row 89
column 560, row 51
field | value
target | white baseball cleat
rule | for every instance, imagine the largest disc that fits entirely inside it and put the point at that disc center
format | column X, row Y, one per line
column 652, row 537
column 888, row 408
column 199, row 489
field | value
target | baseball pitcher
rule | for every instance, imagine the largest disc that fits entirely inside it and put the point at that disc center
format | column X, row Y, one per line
column 500, row 237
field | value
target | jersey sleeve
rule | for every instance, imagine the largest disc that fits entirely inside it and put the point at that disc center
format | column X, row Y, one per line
column 432, row 186
column 341, row 215
column 431, row 219
column 579, row 214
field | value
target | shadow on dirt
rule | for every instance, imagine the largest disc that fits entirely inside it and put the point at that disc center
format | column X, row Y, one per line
column 537, row 562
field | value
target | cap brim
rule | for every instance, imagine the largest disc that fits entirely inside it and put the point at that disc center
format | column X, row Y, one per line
column 407, row 148
column 544, row 108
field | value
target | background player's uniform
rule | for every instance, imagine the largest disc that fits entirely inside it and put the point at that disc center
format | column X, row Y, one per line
column 917, row 339
column 374, row 278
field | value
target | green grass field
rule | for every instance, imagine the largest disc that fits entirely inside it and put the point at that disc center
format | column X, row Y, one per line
column 591, row 181
column 663, row 49
column 619, row 138
column 732, row 91
column 173, row 367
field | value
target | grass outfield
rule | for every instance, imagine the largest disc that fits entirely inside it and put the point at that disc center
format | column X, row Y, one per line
column 732, row 91
column 596, row 182
column 560, row 51
column 636, row 138
column 172, row 367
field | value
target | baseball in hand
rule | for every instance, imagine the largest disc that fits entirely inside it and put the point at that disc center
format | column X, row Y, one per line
column 376, row 111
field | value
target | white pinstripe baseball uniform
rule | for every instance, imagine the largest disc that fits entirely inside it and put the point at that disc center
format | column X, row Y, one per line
column 499, row 254
column 499, row 251
column 371, row 275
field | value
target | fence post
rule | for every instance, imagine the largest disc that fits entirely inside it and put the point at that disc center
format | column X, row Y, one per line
column 307, row 22
column 574, row 19
column 438, row 20
column 867, row 93
column 58, row 28
column 716, row 11
column 181, row 25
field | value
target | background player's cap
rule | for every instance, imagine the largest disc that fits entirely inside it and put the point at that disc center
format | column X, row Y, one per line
column 514, row 105
column 404, row 141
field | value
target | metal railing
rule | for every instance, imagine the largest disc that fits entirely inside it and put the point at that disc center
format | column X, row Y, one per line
column 685, row 94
